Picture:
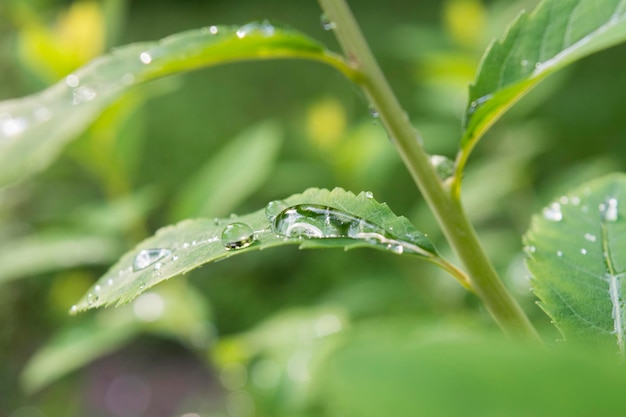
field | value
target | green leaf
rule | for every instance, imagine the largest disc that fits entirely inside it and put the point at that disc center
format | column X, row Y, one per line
column 445, row 371
column 232, row 174
column 555, row 34
column 315, row 219
column 50, row 252
column 577, row 260
column 34, row 129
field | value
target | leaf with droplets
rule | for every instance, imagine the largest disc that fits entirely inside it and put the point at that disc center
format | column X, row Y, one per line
column 577, row 261
column 555, row 34
column 34, row 129
column 315, row 219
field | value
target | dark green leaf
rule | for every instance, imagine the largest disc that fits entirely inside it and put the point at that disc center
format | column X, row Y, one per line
column 578, row 261
column 343, row 221
column 555, row 34
column 34, row 129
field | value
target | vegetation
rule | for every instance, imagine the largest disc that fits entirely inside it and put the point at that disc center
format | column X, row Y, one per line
column 109, row 151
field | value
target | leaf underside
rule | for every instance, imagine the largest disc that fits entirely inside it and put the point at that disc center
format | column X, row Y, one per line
column 577, row 261
column 35, row 128
column 555, row 34
column 192, row 243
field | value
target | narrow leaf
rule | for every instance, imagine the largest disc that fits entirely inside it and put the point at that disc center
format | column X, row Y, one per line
column 555, row 34
column 232, row 174
column 316, row 218
column 34, row 129
column 577, row 260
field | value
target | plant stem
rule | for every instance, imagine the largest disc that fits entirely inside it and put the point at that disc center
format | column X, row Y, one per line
column 447, row 209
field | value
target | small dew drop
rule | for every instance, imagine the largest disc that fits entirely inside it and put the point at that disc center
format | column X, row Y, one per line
column 583, row 251
column 97, row 288
column 553, row 212
column 326, row 23
column 213, row 30
column 185, row 245
column 539, row 65
column 92, row 298
column 72, row 80
column 524, row 62
column 237, row 236
column 274, row 208
column 158, row 266
column 369, row 195
column 559, row 253
column 110, row 282
column 374, row 113
column 590, row 237
column 609, row 210
column 74, row 309
column 175, row 258
column 147, row 257
column 531, row 249
column 145, row 57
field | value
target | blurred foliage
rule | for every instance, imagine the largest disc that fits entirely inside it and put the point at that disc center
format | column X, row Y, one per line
column 265, row 335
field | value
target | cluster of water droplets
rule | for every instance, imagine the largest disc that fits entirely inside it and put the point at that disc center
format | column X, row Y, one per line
column 315, row 221
column 608, row 211
column 326, row 23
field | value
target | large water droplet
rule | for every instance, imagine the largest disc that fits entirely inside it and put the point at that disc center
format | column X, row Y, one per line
column 609, row 211
column 326, row 23
column 147, row 257
column 443, row 165
column 237, row 236
column 274, row 208
column 553, row 212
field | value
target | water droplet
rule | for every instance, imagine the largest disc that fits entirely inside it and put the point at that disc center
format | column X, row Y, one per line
column 12, row 126
column 524, row 62
column 369, row 195
column 83, row 94
column 74, row 309
column 374, row 113
column 397, row 249
column 531, row 249
column 274, row 208
column 559, row 253
column 237, row 236
column 609, row 210
column 539, row 65
column 443, row 165
column 583, row 251
column 213, row 30
column 217, row 221
column 158, row 266
column 326, row 23
column 110, row 282
column 553, row 212
column 175, row 258
column 185, row 245
column 92, row 298
column 590, row 237
column 145, row 57
column 142, row 286
column 147, row 257
column 72, row 80
column 97, row 288
column 476, row 104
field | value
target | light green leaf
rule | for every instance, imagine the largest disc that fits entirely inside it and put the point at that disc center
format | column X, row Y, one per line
column 315, row 219
column 50, row 252
column 578, row 261
column 34, row 129
column 555, row 34
column 443, row 372
column 232, row 174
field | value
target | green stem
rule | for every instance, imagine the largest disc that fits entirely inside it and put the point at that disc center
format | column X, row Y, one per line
column 447, row 209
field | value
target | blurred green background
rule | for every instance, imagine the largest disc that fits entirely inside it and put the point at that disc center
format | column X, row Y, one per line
column 252, row 337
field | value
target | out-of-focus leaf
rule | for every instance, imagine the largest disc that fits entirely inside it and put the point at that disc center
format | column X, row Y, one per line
column 231, row 175
column 444, row 372
column 34, row 129
column 577, row 260
column 314, row 219
column 45, row 253
column 555, row 34
column 176, row 310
